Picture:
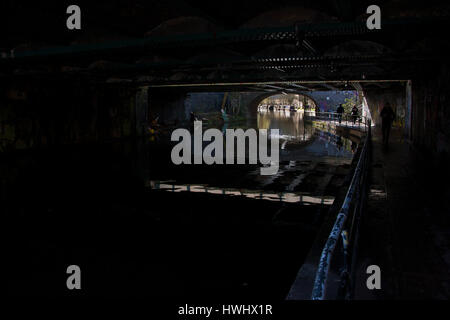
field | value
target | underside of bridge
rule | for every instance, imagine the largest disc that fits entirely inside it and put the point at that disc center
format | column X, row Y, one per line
column 79, row 109
column 263, row 48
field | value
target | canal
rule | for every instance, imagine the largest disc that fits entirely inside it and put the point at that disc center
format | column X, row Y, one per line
column 138, row 225
column 236, row 232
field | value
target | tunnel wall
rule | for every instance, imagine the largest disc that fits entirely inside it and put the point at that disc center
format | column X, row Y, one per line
column 203, row 102
column 376, row 99
column 425, row 113
column 431, row 115
column 169, row 107
column 43, row 114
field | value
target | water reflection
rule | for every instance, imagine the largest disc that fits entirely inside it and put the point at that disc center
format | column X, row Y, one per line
column 299, row 138
column 304, row 146
column 291, row 197
column 334, row 144
column 290, row 124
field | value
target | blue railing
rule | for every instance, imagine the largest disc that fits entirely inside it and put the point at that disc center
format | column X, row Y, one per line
column 345, row 228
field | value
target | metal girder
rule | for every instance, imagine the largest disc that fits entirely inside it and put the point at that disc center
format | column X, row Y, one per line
column 267, row 88
column 299, row 86
column 274, row 87
column 261, row 83
column 203, row 39
column 308, row 46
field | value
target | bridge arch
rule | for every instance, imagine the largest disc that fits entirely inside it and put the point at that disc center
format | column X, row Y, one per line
column 252, row 105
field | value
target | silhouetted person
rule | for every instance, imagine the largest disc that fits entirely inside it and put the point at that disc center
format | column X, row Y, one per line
column 224, row 115
column 387, row 116
column 340, row 111
column 354, row 114
column 193, row 117
column 339, row 142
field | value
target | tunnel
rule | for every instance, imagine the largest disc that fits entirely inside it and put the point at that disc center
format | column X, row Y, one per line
column 137, row 150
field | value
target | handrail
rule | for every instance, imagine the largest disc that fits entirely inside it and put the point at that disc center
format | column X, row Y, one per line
column 343, row 119
column 322, row 273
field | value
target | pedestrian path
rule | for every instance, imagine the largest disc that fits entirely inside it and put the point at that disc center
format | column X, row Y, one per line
column 405, row 228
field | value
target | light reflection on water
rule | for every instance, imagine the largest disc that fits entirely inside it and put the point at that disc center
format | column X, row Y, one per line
column 290, row 124
column 299, row 136
column 291, row 197
column 302, row 145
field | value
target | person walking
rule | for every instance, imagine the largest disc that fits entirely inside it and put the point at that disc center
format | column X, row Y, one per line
column 387, row 117
column 340, row 111
column 354, row 113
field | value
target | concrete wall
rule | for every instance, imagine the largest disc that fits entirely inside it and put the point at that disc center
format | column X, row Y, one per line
column 169, row 107
column 422, row 108
column 203, row 102
column 57, row 112
column 377, row 98
column 431, row 115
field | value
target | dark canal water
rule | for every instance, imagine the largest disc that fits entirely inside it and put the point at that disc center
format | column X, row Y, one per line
column 137, row 225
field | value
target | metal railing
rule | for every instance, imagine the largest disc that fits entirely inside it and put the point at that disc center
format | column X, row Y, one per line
column 341, row 119
column 346, row 228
